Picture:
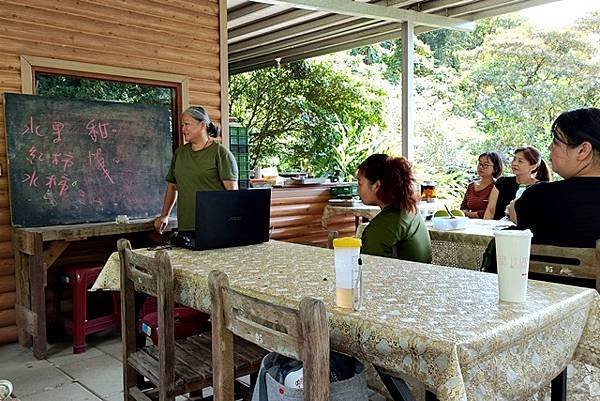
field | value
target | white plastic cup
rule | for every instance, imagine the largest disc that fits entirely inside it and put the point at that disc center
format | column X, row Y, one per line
column 347, row 253
column 512, row 258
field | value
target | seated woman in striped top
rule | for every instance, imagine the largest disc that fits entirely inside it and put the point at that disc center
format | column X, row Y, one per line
column 489, row 167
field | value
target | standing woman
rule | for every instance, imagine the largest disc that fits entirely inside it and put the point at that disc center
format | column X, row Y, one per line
column 202, row 164
column 398, row 230
column 489, row 168
column 567, row 212
column 529, row 168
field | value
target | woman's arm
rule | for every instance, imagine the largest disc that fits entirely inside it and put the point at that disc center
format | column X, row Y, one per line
column 491, row 207
column 230, row 185
column 162, row 221
column 463, row 205
column 512, row 214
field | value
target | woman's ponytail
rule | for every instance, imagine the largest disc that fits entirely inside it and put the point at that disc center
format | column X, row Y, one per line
column 212, row 130
column 543, row 172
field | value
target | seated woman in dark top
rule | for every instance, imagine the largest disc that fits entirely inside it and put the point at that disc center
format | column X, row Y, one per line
column 567, row 212
column 528, row 169
column 489, row 167
column 398, row 230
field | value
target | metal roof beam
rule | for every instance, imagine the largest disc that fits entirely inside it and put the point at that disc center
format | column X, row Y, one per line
column 331, row 45
column 491, row 8
column 281, row 20
column 246, row 11
column 307, row 27
column 437, row 5
column 250, row 65
column 365, row 10
column 295, row 31
column 314, row 37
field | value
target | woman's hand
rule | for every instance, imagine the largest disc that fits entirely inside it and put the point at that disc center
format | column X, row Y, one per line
column 161, row 223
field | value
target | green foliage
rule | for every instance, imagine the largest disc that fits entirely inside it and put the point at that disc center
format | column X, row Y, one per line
column 87, row 88
column 519, row 80
column 497, row 88
column 294, row 114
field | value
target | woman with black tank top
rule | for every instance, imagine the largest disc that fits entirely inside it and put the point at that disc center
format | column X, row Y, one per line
column 528, row 169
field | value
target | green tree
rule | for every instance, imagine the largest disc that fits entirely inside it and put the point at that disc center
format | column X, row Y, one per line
column 520, row 79
column 292, row 113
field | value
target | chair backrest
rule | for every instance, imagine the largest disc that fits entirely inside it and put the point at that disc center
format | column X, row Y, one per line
column 569, row 265
column 301, row 334
column 151, row 275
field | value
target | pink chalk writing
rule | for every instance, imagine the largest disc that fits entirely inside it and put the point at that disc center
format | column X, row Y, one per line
column 57, row 128
column 31, row 179
column 67, row 160
column 63, row 185
column 98, row 157
column 34, row 155
column 32, row 128
column 97, row 129
column 51, row 181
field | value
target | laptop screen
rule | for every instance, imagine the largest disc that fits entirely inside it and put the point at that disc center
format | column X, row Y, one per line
column 232, row 218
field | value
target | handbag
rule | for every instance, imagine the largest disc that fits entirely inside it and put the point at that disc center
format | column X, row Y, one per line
column 348, row 381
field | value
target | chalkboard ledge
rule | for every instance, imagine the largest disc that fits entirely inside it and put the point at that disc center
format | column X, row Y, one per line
column 77, row 232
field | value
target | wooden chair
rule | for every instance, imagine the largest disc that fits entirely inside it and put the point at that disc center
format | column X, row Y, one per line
column 301, row 334
column 577, row 266
column 173, row 367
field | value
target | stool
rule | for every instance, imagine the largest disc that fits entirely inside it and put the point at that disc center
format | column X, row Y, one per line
column 80, row 278
column 187, row 321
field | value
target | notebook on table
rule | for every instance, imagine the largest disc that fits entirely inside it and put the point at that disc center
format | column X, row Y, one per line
column 232, row 218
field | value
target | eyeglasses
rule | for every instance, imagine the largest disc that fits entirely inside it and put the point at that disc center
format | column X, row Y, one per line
column 484, row 165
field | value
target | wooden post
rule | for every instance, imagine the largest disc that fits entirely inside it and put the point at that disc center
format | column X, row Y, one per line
column 315, row 331
column 37, row 277
column 128, row 321
column 166, row 323
column 22, row 304
column 222, row 344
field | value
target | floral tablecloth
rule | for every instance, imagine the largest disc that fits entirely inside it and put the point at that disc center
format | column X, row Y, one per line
column 440, row 326
column 463, row 248
column 360, row 210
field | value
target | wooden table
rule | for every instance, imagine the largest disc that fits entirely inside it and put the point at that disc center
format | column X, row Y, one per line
column 36, row 250
column 439, row 326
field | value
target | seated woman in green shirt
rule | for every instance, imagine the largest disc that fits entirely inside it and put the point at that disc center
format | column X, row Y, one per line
column 398, row 230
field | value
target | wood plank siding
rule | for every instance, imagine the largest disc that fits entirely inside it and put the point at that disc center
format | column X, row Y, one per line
column 296, row 216
column 161, row 36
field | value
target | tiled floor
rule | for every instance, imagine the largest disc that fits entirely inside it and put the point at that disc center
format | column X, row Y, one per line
column 93, row 375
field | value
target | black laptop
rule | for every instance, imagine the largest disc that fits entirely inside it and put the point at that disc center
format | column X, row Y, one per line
column 232, row 218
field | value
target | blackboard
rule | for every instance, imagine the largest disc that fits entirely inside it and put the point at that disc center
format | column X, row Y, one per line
column 74, row 161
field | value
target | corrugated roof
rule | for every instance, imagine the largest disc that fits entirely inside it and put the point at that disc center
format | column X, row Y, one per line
column 262, row 31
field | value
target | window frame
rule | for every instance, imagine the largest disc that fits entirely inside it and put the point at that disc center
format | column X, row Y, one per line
column 31, row 65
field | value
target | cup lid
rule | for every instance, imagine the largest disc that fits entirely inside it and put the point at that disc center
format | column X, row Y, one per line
column 513, row 233
column 347, row 242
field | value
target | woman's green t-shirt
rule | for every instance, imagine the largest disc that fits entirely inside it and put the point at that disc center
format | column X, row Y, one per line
column 394, row 228
column 201, row 170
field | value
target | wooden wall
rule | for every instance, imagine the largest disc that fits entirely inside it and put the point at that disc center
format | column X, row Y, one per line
column 296, row 216
column 167, row 36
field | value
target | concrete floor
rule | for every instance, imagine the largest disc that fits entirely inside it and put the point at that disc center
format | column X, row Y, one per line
column 95, row 375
